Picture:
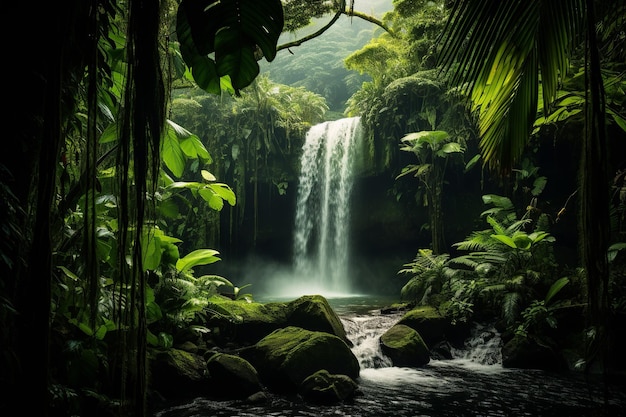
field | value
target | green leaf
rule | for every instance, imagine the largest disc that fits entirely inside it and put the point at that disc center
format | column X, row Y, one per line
column 538, row 185
column 498, row 201
column 197, row 257
column 472, row 162
column 522, row 241
column 614, row 249
column 225, row 192
column 506, row 240
column 555, row 288
column 194, row 148
column 150, row 251
column 169, row 209
column 69, row 273
column 207, row 175
column 172, row 154
column 214, row 200
column 101, row 332
column 109, row 134
column 231, row 29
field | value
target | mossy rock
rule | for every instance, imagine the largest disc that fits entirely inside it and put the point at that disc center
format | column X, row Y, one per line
column 325, row 388
column 287, row 356
column 313, row 312
column 434, row 327
column 245, row 323
column 232, row 377
column 242, row 322
column 178, row 373
column 404, row 346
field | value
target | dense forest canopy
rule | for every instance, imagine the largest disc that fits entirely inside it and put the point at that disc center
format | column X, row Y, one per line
column 144, row 128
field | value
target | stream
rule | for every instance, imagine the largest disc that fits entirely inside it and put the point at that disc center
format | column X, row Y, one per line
column 473, row 383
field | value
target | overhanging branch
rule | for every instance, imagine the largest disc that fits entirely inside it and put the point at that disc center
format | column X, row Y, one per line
column 347, row 12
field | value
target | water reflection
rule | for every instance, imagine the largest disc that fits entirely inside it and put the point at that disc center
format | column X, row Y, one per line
column 453, row 388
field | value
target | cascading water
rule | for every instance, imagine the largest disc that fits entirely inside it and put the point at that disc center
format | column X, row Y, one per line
column 321, row 243
column 461, row 387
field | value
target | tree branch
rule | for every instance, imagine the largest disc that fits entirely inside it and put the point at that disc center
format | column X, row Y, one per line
column 347, row 12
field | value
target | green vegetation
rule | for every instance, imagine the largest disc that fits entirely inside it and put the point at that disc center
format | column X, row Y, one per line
column 145, row 131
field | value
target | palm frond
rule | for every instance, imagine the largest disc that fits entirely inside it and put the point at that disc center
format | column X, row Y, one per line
column 496, row 50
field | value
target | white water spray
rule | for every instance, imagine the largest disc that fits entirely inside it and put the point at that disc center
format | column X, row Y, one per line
column 321, row 233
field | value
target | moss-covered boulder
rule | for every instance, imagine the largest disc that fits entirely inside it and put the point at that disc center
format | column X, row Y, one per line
column 313, row 312
column 325, row 388
column 245, row 323
column 177, row 373
column 232, row 377
column 404, row 346
column 242, row 322
column 434, row 327
column 286, row 357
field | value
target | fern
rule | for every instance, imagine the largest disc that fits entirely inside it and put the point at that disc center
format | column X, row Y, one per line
column 429, row 274
column 511, row 306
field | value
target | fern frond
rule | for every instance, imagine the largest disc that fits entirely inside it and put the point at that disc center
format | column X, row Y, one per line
column 511, row 306
column 517, row 225
column 493, row 288
column 496, row 226
column 465, row 260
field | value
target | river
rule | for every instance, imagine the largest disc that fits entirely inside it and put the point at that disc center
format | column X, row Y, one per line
column 474, row 383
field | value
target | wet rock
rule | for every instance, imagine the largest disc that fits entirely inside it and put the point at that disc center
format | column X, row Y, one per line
column 526, row 353
column 178, row 373
column 246, row 323
column 325, row 388
column 404, row 346
column 288, row 356
column 433, row 327
column 232, row 377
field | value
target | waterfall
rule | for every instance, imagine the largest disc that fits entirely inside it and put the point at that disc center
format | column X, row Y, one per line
column 321, row 233
column 484, row 346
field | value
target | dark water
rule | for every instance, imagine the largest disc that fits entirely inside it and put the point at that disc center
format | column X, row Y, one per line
column 463, row 386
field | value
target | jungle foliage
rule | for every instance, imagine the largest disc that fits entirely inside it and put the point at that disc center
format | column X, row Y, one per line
column 128, row 149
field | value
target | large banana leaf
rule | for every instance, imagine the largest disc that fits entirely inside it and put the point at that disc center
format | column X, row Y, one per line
column 223, row 38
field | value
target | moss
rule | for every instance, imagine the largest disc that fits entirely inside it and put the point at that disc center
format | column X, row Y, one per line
column 423, row 312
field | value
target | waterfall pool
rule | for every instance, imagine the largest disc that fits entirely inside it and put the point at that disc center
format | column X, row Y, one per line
column 459, row 387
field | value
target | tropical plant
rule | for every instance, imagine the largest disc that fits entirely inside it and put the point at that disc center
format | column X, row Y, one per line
column 433, row 149
column 541, row 312
column 254, row 136
column 513, row 262
column 220, row 40
column 404, row 50
column 428, row 275
column 502, row 55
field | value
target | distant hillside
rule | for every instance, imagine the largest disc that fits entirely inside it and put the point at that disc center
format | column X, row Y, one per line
column 317, row 65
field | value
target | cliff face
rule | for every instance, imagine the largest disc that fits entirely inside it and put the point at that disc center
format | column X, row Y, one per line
column 386, row 223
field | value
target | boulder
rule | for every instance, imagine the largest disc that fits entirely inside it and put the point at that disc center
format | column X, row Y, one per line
column 286, row 357
column 232, row 377
column 313, row 312
column 434, row 327
column 245, row 323
column 327, row 389
column 178, row 373
column 525, row 353
column 404, row 346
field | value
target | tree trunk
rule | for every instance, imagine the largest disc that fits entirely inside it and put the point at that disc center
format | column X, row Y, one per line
column 594, row 202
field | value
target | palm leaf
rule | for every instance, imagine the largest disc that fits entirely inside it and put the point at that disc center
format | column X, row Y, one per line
column 496, row 51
